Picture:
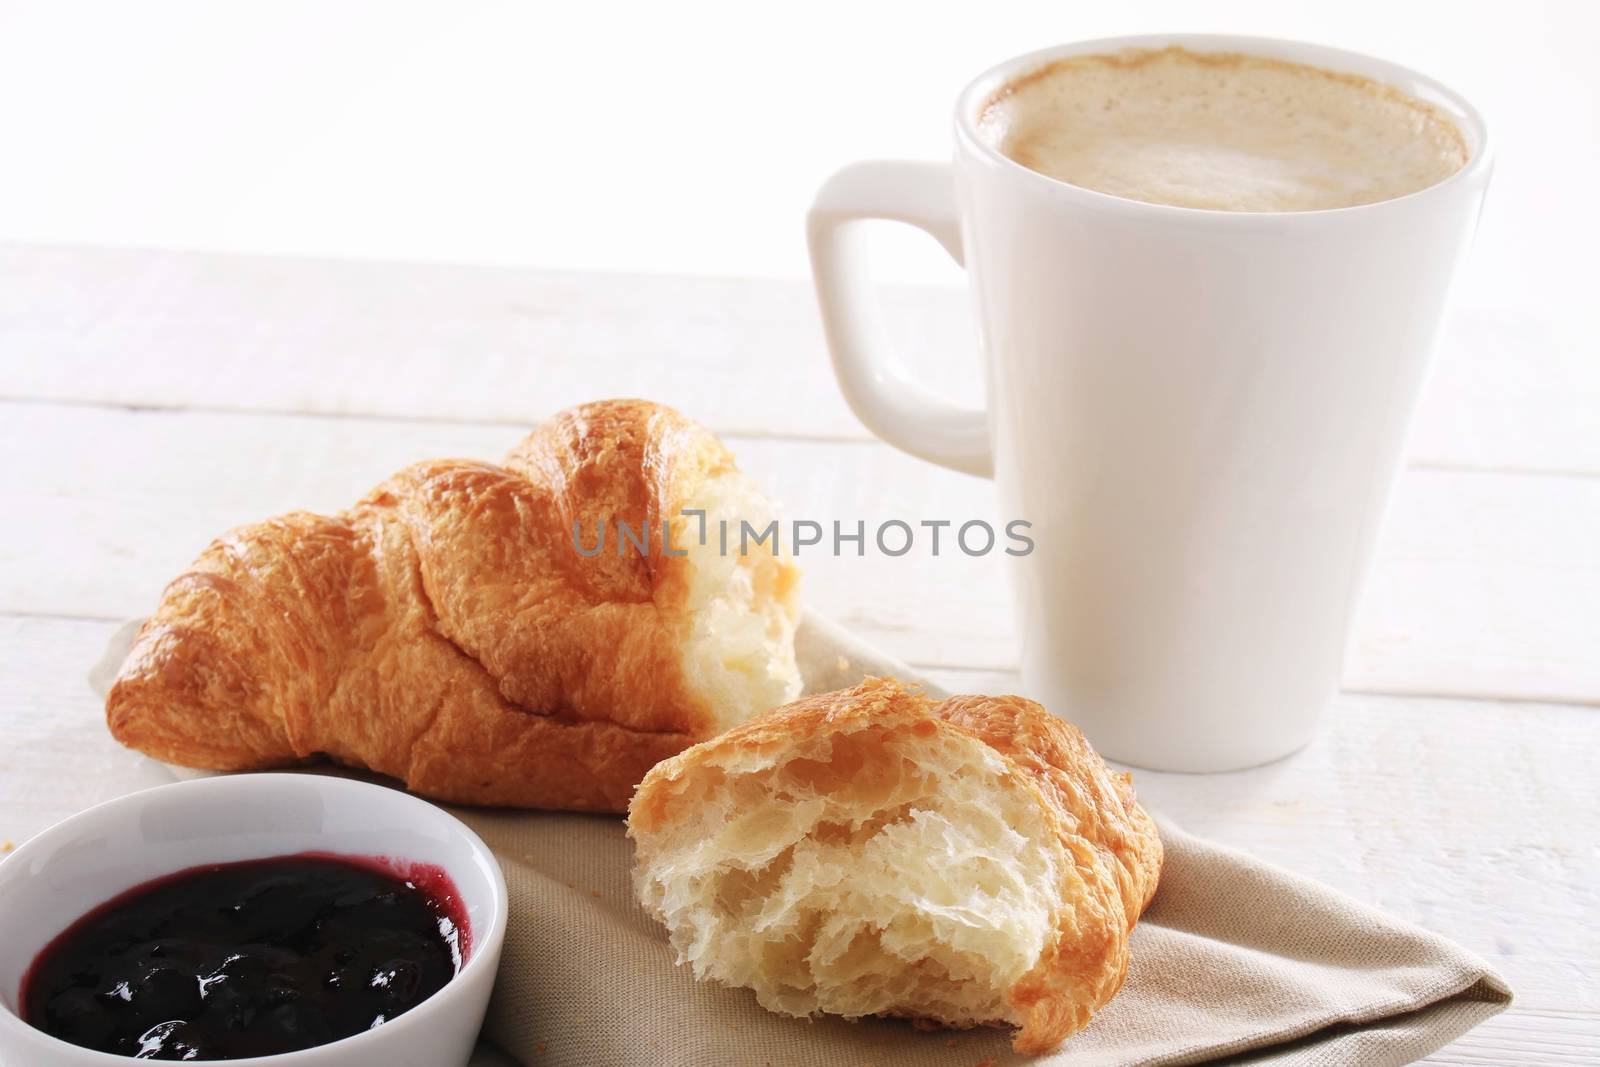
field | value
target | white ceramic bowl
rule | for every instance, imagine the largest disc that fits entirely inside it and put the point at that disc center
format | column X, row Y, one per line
column 83, row 861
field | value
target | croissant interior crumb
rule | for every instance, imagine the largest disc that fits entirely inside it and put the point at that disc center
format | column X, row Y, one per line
column 743, row 605
column 880, row 871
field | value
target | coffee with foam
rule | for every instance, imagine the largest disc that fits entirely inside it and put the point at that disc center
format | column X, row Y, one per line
column 1225, row 132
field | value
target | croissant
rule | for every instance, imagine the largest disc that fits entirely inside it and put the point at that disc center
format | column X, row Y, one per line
column 456, row 629
column 865, row 852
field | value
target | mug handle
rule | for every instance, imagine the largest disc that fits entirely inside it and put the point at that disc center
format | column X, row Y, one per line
column 901, row 411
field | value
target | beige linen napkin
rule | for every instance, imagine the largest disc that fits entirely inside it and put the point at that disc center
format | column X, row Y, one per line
column 1234, row 959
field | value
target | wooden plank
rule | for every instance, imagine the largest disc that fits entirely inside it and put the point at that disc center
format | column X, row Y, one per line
column 1389, row 804
column 465, row 343
column 1528, row 1038
column 1486, row 585
column 57, row 758
column 192, row 330
column 1493, row 581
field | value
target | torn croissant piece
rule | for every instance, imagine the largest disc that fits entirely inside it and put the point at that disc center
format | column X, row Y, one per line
column 868, row 852
column 454, row 631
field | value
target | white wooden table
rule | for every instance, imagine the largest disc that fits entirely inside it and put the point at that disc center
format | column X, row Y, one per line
column 151, row 400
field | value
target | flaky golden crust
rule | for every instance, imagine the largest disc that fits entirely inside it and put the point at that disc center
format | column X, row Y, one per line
column 1110, row 847
column 876, row 702
column 445, row 630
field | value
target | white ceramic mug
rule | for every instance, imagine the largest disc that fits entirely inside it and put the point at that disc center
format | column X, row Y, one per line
column 1201, row 412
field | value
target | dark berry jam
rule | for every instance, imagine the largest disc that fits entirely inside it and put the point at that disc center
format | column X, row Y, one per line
column 250, row 959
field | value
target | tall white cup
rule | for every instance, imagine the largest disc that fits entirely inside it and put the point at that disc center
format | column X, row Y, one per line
column 1201, row 412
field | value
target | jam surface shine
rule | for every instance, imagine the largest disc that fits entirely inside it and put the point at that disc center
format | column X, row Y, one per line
column 249, row 959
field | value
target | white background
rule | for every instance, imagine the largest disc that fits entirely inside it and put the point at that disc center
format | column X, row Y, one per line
column 662, row 137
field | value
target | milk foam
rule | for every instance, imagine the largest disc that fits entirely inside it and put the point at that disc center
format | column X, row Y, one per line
column 1227, row 132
